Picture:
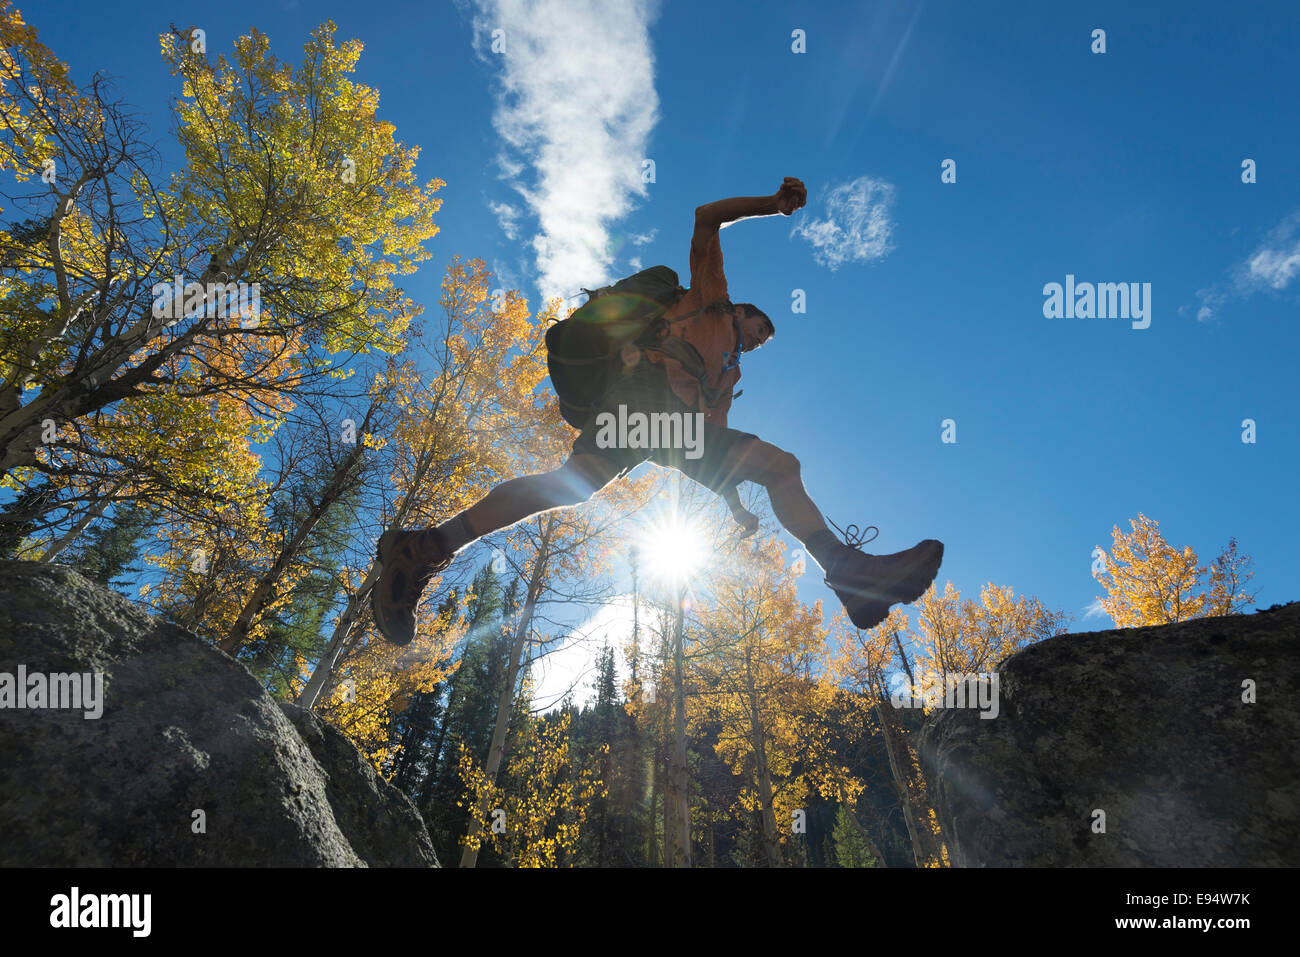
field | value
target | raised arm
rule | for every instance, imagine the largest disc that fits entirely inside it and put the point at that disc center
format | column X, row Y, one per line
column 706, row 250
column 713, row 216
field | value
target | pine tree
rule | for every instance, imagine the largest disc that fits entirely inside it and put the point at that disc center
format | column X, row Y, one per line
column 417, row 732
column 107, row 550
column 18, row 518
column 466, row 720
column 828, row 851
column 294, row 631
column 292, row 635
column 850, row 845
column 601, row 724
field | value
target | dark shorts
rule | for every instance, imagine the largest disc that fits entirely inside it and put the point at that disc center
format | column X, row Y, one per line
column 701, row 450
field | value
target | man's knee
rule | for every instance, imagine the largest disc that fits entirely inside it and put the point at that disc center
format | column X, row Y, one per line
column 769, row 465
column 787, row 468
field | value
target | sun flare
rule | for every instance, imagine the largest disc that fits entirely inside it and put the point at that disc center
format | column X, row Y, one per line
column 673, row 550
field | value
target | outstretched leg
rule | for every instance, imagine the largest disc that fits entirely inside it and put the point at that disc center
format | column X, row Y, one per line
column 516, row 499
column 409, row 559
column 866, row 584
column 779, row 472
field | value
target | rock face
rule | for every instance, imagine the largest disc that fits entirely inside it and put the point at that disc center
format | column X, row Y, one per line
column 1147, row 725
column 183, row 729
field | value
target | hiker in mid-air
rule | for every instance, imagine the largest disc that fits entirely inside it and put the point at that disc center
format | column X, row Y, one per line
column 651, row 359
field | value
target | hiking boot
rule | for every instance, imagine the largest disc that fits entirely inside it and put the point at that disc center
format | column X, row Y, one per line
column 408, row 560
column 869, row 584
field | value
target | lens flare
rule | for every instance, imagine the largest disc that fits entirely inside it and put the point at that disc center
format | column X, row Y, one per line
column 673, row 550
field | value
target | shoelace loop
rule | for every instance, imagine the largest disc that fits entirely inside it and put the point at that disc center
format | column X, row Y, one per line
column 853, row 536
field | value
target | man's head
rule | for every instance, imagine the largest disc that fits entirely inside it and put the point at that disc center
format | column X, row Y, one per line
column 755, row 327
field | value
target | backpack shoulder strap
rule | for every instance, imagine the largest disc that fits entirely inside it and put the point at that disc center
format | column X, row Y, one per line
column 716, row 304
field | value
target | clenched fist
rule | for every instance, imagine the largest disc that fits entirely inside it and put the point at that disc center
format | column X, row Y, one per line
column 791, row 196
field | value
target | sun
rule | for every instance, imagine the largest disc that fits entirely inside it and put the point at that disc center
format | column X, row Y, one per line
column 673, row 550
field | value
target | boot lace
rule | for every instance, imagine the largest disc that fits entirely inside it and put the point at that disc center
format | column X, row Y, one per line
column 853, row 536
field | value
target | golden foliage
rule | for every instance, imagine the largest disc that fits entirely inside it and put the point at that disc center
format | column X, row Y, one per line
column 755, row 665
column 545, row 799
column 377, row 680
column 1150, row 582
column 296, row 161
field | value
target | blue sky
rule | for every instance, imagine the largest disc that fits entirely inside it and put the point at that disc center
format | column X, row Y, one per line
column 924, row 299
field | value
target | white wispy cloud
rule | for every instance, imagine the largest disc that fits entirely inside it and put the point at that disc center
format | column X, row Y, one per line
column 507, row 217
column 575, row 107
column 1277, row 261
column 1272, row 266
column 858, row 225
column 1211, row 299
column 1094, row 609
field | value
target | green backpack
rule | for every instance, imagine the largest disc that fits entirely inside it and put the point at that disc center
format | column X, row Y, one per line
column 583, row 351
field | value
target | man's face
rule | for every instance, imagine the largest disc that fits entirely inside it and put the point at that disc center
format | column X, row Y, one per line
column 754, row 330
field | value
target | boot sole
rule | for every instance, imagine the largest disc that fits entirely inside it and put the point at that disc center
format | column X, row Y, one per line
column 874, row 607
column 913, row 586
column 382, row 552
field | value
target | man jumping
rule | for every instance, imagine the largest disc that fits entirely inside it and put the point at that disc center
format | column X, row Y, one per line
column 670, row 377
